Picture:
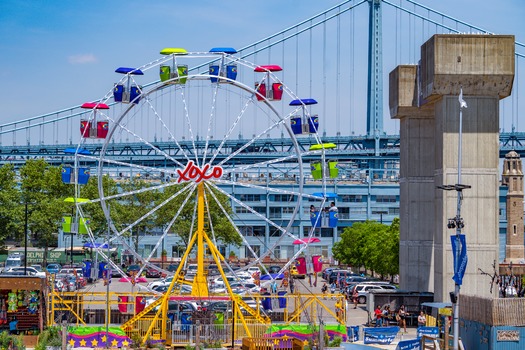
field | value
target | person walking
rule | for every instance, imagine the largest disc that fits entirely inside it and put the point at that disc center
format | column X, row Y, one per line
column 355, row 297
column 401, row 318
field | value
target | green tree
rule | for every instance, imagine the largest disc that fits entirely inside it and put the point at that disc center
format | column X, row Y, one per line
column 371, row 245
column 44, row 192
column 10, row 210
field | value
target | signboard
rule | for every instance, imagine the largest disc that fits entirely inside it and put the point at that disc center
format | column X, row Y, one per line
column 380, row 335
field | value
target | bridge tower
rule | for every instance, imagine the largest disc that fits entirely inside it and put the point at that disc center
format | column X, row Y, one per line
column 428, row 108
column 374, row 120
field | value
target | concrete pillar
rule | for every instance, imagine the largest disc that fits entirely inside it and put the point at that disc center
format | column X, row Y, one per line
column 483, row 65
column 416, row 181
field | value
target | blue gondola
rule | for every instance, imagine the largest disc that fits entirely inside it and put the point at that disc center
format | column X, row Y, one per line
column 127, row 92
column 68, row 175
column 329, row 215
column 305, row 123
column 221, row 68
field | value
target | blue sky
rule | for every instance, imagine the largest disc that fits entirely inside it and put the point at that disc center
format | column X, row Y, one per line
column 57, row 54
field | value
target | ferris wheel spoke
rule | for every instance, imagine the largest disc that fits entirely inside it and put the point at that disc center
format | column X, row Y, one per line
column 232, row 222
column 268, row 189
column 130, row 165
column 210, row 122
column 153, row 147
column 191, row 187
column 188, row 122
column 246, row 145
column 168, row 130
column 260, row 216
column 282, row 160
column 173, row 219
column 248, row 102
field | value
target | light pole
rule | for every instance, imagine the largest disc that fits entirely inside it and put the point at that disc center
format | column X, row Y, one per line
column 25, row 241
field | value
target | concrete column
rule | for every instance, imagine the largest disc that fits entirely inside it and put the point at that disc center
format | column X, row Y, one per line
column 427, row 105
column 416, row 182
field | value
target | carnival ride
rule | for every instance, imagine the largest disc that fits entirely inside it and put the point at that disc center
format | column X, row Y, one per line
column 189, row 109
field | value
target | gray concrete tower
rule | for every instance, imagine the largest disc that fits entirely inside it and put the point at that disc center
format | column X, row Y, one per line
column 425, row 99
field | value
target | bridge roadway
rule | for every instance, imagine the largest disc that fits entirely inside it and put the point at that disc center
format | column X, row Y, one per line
column 349, row 148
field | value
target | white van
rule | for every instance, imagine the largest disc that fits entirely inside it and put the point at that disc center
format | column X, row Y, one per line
column 14, row 260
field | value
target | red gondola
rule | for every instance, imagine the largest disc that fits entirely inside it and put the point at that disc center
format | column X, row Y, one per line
column 92, row 128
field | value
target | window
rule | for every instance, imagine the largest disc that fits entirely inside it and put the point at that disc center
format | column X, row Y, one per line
column 288, row 210
column 282, row 198
column 248, row 197
column 256, row 250
column 275, row 232
column 277, row 252
column 352, row 198
column 249, row 231
column 275, row 212
column 343, row 213
column 383, row 198
column 243, row 210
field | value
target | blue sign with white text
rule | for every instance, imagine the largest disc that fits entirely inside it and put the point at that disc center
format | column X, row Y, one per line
column 411, row 344
column 380, row 335
column 429, row 331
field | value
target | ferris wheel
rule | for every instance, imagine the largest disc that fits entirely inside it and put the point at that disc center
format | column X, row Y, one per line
column 203, row 132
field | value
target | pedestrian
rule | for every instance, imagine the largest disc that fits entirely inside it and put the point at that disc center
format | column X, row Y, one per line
column 332, row 287
column 421, row 319
column 401, row 319
column 339, row 308
column 324, row 288
column 355, row 296
column 386, row 315
column 379, row 316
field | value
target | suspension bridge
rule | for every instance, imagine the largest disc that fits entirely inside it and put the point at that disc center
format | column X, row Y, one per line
column 323, row 58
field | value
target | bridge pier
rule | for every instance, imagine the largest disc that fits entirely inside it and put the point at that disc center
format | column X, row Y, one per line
column 425, row 99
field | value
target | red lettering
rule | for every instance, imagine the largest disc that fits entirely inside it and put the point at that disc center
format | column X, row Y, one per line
column 192, row 173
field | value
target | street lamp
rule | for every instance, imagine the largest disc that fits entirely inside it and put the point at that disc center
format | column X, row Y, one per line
column 25, row 241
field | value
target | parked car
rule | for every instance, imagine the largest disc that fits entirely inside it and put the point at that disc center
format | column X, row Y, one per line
column 152, row 272
column 53, row 268
column 339, row 273
column 326, row 273
column 274, row 269
column 172, row 267
column 164, row 281
column 253, row 269
column 364, row 289
column 132, row 269
column 65, row 282
column 30, row 271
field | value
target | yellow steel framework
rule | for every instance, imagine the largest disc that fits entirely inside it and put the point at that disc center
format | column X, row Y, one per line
column 153, row 324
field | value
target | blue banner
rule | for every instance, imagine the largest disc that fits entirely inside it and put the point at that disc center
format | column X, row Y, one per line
column 430, row 331
column 353, row 333
column 461, row 264
column 380, row 335
column 408, row 344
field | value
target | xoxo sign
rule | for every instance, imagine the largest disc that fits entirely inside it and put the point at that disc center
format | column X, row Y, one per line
column 193, row 173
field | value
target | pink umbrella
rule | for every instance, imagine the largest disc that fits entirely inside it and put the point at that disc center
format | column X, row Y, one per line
column 307, row 240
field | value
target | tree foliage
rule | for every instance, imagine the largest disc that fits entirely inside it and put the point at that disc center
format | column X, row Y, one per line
column 371, row 245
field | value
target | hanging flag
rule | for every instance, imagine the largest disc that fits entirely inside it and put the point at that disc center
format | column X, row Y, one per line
column 459, row 243
column 462, row 103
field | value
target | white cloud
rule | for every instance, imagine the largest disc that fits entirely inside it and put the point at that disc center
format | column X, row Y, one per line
column 82, row 59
